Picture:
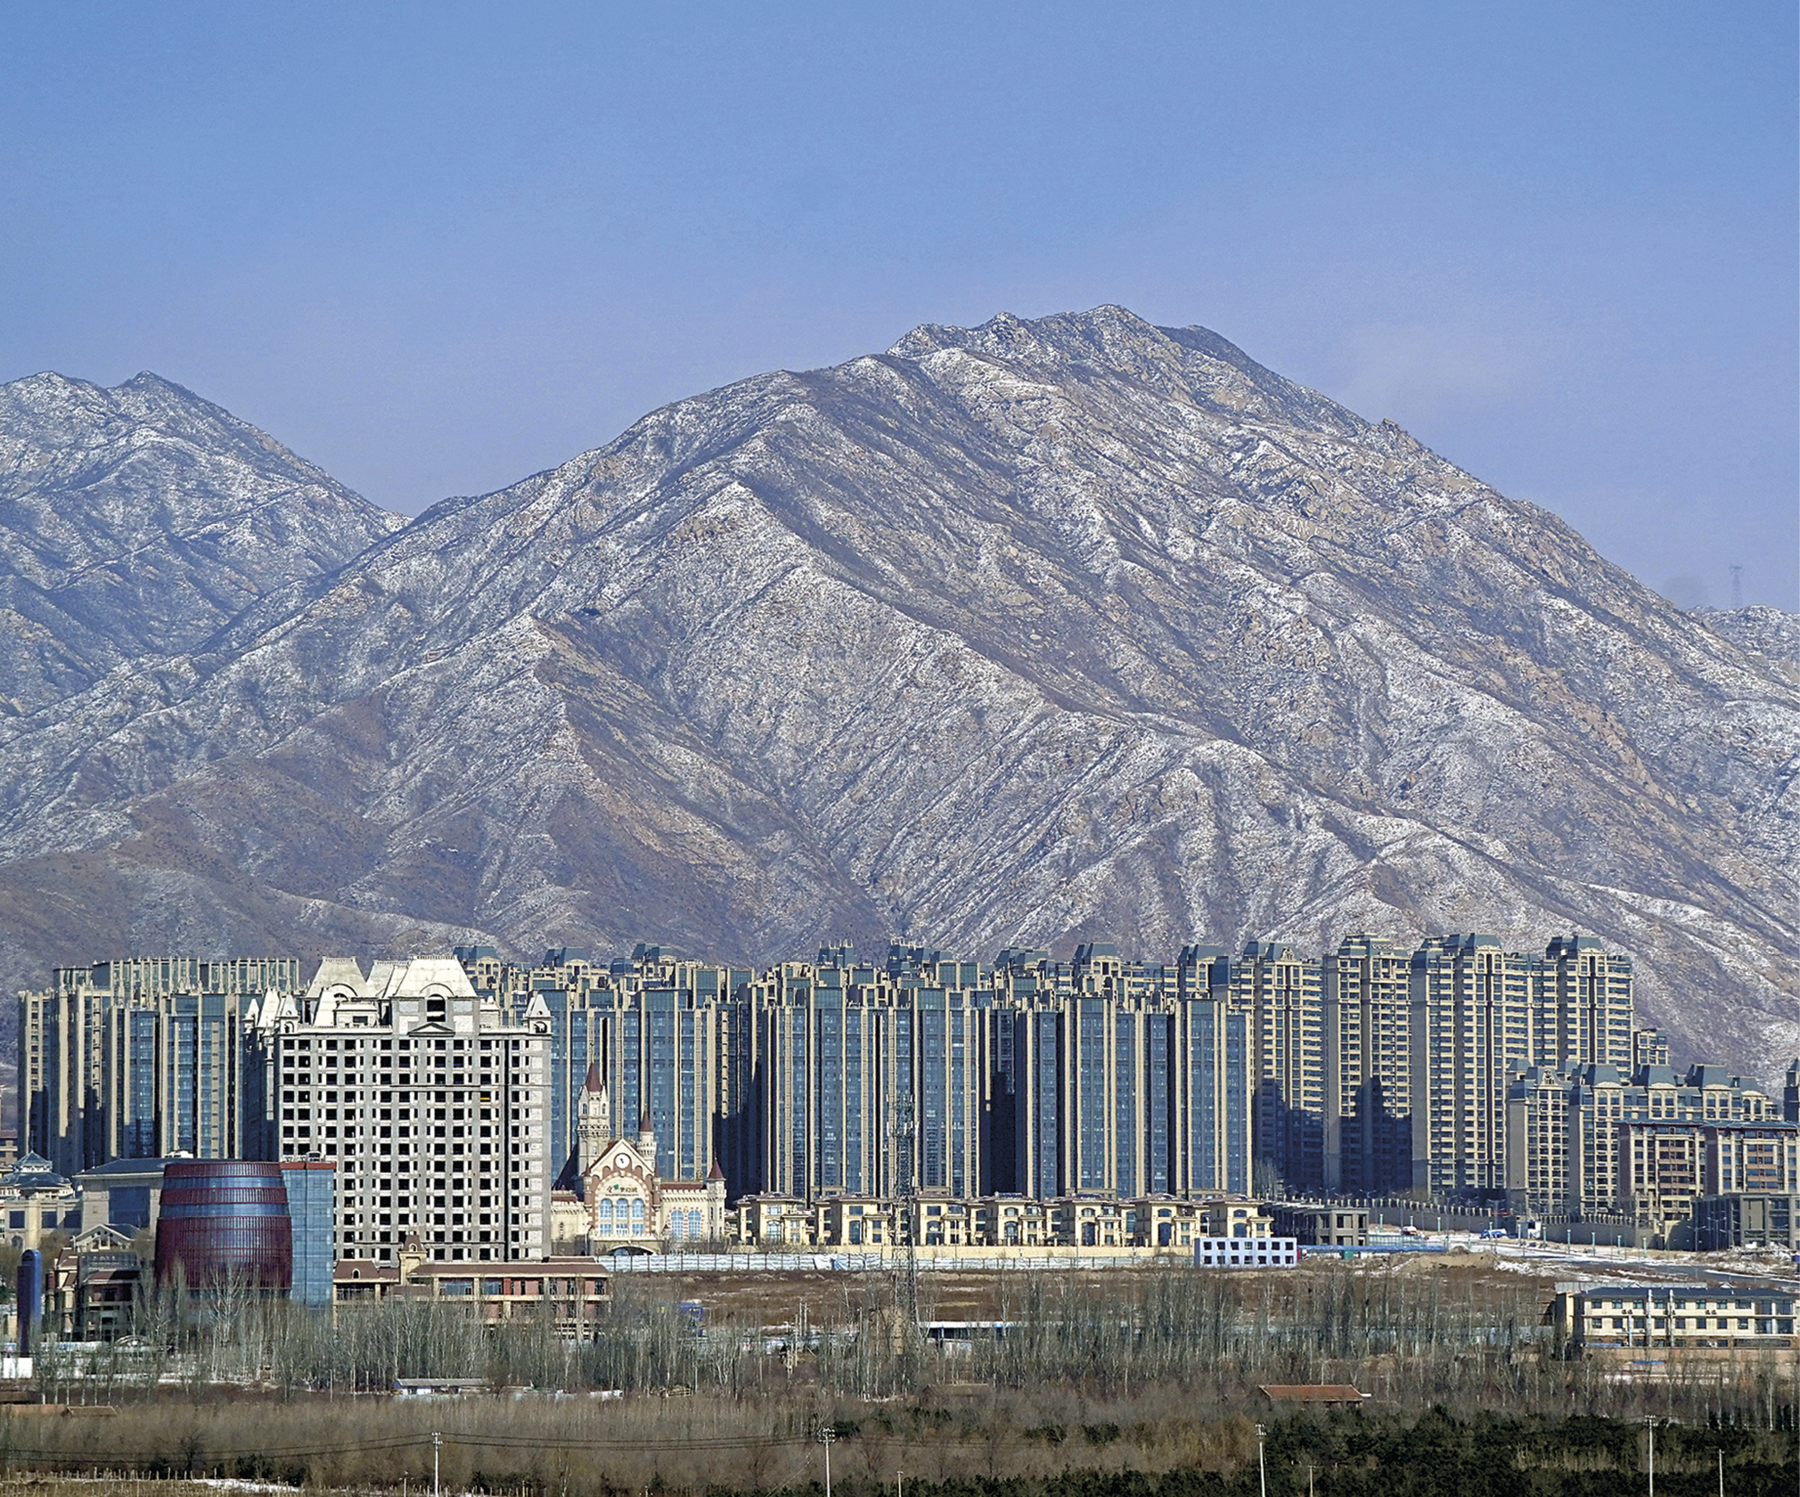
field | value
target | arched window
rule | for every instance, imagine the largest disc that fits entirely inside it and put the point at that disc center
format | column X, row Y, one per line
column 637, row 1214
column 605, row 1213
column 695, row 1224
column 678, row 1224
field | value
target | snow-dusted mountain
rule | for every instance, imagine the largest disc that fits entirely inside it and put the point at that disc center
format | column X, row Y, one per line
column 138, row 520
column 1021, row 633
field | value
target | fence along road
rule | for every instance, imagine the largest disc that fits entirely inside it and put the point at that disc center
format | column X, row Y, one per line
column 877, row 1262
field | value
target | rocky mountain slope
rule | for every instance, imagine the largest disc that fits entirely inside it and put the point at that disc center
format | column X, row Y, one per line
column 138, row 520
column 1770, row 633
column 1021, row 633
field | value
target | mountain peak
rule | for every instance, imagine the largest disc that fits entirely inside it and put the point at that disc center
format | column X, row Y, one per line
column 149, row 381
column 50, row 385
column 1098, row 333
column 140, row 519
column 1193, row 363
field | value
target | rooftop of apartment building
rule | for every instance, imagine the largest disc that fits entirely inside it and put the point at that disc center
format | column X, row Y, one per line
column 904, row 962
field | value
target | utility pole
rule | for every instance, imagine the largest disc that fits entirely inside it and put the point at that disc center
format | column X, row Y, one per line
column 1650, row 1424
column 436, row 1440
column 1262, row 1471
column 826, row 1435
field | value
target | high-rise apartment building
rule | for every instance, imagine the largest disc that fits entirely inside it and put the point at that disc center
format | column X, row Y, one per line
column 1470, row 1034
column 1666, row 1168
column 1537, row 1143
column 172, row 1079
column 950, row 1027
column 1129, row 1081
column 844, row 1054
column 1487, row 1024
column 661, row 1055
column 1211, row 1095
column 433, row 1102
column 139, row 1058
column 1035, row 1082
column 61, row 1048
column 1368, row 1069
column 827, row 1048
column 1282, row 992
column 1751, row 1158
column 1582, row 1010
column 1113, row 1055
column 664, row 1033
column 165, row 976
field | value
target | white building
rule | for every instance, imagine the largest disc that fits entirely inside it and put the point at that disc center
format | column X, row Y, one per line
column 433, row 1103
column 1246, row 1252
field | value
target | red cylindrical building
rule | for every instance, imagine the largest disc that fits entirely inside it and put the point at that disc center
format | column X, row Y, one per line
column 225, row 1221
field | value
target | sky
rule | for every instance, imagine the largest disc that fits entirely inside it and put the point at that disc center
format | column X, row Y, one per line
column 434, row 248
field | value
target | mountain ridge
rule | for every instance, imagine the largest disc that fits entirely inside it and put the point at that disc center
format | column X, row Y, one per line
column 1023, row 633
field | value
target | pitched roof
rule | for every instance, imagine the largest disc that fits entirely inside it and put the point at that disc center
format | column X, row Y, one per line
column 1311, row 1393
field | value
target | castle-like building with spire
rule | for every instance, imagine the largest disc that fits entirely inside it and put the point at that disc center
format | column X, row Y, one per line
column 610, row 1198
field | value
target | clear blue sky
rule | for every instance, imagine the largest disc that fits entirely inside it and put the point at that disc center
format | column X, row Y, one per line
column 436, row 247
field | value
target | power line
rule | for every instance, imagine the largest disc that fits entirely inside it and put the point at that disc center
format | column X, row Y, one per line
column 407, row 1442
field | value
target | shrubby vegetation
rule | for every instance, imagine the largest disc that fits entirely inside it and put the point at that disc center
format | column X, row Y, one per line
column 1139, row 1386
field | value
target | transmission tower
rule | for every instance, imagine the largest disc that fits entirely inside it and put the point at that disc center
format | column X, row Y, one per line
column 907, row 1288
column 1737, row 586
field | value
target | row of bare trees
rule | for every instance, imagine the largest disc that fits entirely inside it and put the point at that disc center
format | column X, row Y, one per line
column 1411, row 1337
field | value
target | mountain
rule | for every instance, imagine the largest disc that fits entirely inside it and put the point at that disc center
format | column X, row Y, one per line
column 1770, row 633
column 139, row 520
column 135, row 523
column 1024, row 633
